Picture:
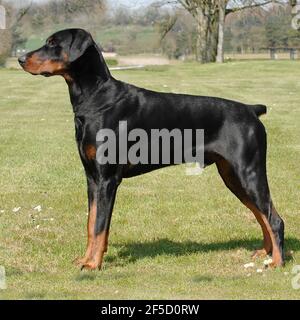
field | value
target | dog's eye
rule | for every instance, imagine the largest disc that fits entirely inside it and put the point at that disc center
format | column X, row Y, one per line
column 51, row 43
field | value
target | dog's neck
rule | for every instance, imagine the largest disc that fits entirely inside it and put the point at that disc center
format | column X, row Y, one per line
column 86, row 76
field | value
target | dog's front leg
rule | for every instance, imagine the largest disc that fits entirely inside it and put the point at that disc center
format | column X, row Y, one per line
column 92, row 207
column 99, row 225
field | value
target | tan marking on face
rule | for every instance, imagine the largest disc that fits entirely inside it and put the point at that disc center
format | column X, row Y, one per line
column 50, row 39
column 36, row 65
column 67, row 77
column 65, row 56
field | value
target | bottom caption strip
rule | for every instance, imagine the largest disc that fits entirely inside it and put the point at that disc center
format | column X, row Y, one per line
column 150, row 310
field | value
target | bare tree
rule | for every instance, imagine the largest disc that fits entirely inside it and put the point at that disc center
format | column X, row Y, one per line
column 205, row 14
column 226, row 7
column 15, row 22
column 221, row 30
column 210, row 20
column 11, row 37
column 5, row 44
column 166, row 25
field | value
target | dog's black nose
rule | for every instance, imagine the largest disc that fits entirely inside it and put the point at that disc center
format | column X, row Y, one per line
column 22, row 59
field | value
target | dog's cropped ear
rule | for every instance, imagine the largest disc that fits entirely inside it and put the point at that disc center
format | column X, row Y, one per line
column 82, row 40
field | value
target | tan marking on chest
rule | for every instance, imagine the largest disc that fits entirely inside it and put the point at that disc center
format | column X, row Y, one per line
column 90, row 151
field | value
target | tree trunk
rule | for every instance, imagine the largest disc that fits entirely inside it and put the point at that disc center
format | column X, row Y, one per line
column 207, row 38
column 5, row 45
column 212, row 40
column 222, row 14
column 201, row 45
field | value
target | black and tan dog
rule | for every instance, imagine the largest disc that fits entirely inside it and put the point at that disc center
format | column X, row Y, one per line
column 235, row 139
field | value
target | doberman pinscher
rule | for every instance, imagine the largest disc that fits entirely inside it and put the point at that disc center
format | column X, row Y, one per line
column 234, row 137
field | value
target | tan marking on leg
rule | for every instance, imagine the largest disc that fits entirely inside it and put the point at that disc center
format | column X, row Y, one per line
column 270, row 243
column 90, row 232
column 276, row 256
column 99, row 247
column 259, row 253
column 101, row 244
column 232, row 182
column 234, row 185
column 97, row 244
column 267, row 239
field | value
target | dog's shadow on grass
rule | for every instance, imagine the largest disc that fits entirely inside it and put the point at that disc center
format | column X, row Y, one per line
column 133, row 251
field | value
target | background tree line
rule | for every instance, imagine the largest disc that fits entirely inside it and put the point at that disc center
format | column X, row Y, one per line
column 183, row 28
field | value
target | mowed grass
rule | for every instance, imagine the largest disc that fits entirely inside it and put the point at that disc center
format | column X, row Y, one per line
column 172, row 236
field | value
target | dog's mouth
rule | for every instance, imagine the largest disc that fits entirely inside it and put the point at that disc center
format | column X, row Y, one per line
column 46, row 74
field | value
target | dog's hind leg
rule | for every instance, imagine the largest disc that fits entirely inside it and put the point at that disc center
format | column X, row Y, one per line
column 259, row 202
column 246, row 178
column 233, row 184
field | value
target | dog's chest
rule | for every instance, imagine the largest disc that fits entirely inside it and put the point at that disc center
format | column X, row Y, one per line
column 85, row 134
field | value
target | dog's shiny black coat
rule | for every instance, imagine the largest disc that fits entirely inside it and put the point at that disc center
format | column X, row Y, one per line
column 235, row 139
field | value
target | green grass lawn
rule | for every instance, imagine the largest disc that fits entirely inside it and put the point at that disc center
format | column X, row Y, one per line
column 172, row 236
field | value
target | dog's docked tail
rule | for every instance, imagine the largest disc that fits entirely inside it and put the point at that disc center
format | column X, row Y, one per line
column 260, row 109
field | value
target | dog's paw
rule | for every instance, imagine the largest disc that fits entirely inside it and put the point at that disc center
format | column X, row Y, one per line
column 90, row 265
column 261, row 253
column 80, row 261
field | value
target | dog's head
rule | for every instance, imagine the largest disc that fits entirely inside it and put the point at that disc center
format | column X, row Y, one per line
column 59, row 52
